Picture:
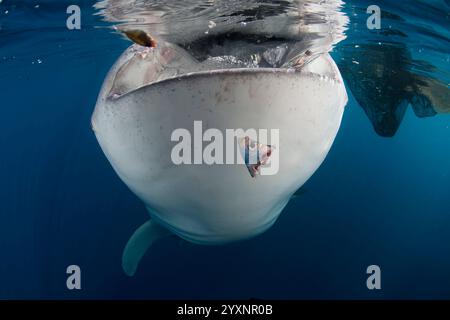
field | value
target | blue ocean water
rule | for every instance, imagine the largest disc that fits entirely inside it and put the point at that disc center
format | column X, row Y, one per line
column 375, row 200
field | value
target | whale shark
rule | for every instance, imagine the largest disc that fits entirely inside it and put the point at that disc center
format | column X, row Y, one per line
column 153, row 90
column 253, row 67
column 393, row 86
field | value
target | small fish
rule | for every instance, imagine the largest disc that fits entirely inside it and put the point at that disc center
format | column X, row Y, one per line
column 255, row 154
column 302, row 59
column 141, row 38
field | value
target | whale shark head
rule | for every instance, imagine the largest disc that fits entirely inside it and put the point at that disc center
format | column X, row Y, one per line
column 215, row 136
column 174, row 131
column 135, row 131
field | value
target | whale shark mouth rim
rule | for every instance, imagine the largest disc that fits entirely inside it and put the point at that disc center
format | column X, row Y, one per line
column 233, row 71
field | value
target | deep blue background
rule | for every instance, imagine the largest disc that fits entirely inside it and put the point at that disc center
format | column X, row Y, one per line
column 373, row 201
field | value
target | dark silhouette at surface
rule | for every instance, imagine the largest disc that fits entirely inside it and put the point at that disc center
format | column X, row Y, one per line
column 382, row 82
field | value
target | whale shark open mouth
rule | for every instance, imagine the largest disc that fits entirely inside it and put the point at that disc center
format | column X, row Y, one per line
column 143, row 65
column 245, row 35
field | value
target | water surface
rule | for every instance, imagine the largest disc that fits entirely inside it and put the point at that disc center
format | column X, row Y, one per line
column 381, row 197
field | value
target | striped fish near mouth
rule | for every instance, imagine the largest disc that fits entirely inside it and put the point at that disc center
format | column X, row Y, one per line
column 254, row 154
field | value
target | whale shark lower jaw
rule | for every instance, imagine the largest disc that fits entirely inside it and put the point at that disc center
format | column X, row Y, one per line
column 301, row 72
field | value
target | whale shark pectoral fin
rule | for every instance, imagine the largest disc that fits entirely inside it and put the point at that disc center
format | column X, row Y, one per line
column 139, row 243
